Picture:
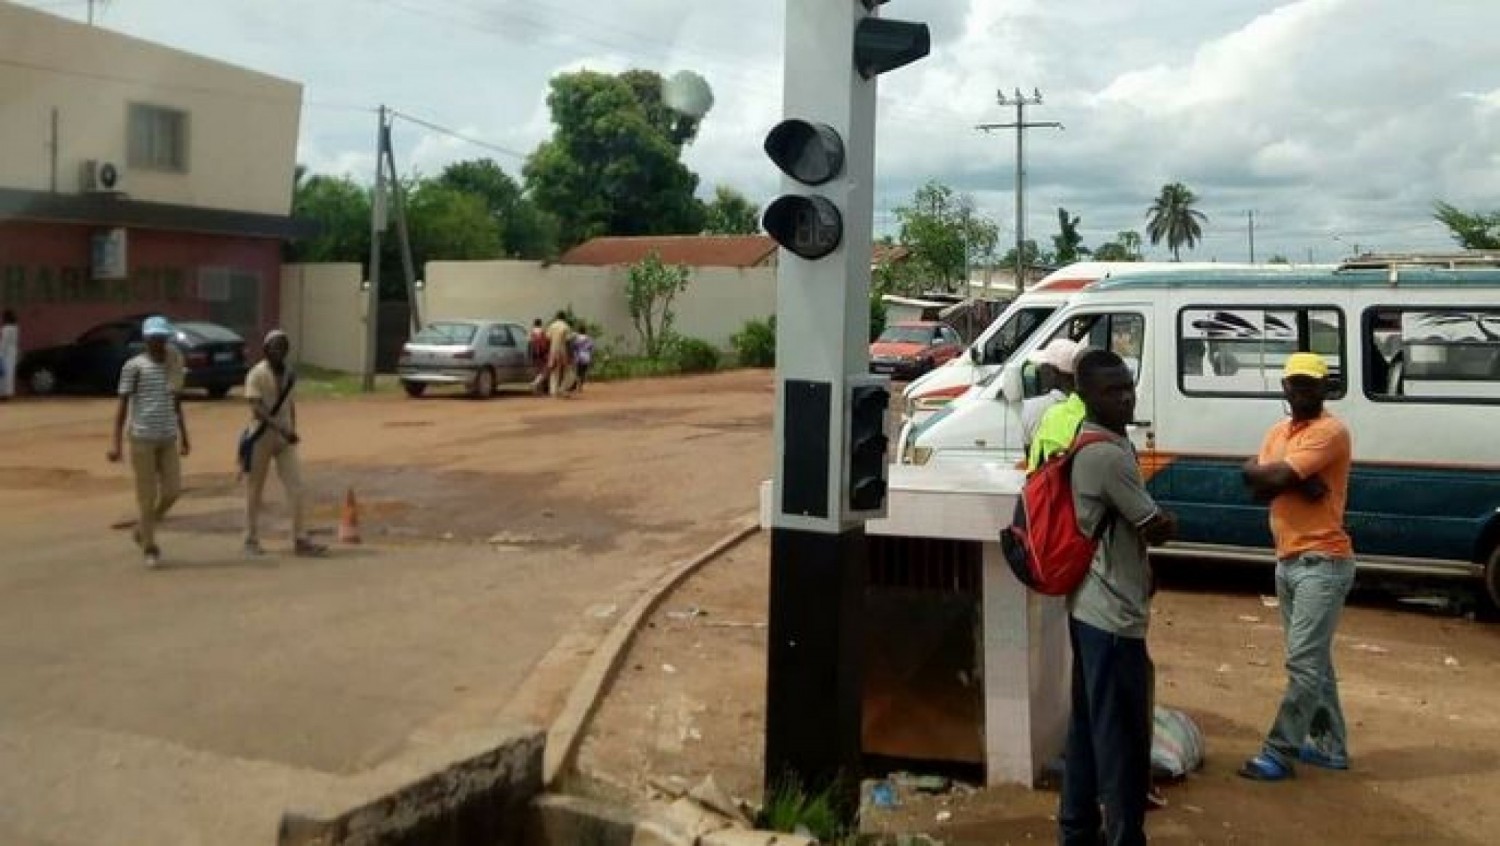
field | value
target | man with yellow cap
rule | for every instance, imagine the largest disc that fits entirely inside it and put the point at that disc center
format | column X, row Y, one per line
column 1303, row 472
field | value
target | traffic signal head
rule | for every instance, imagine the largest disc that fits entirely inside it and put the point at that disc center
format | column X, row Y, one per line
column 881, row 45
column 811, row 153
column 811, row 227
column 868, row 401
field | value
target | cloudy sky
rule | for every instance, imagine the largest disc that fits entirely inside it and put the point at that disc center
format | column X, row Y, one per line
column 1338, row 122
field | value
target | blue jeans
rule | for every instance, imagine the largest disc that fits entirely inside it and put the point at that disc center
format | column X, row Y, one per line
column 1311, row 589
column 1108, row 759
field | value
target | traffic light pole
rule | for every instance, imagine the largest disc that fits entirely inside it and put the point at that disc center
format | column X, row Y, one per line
column 826, row 483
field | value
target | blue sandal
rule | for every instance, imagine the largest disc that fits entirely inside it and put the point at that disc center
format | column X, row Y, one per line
column 1265, row 768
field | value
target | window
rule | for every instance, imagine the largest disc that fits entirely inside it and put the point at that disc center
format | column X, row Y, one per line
column 1013, row 333
column 950, row 336
column 1240, row 351
column 158, row 138
column 499, row 337
column 1122, row 333
column 1431, row 354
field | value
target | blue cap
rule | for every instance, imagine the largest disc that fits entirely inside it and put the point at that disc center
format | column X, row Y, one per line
column 157, row 327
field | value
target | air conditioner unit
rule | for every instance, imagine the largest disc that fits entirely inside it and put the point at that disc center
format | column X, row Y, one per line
column 100, row 176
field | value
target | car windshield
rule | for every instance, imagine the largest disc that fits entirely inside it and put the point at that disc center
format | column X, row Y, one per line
column 905, row 335
column 210, row 332
column 450, row 334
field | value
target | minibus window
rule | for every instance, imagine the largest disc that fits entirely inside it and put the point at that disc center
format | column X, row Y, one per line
column 1231, row 350
column 1013, row 333
column 1417, row 354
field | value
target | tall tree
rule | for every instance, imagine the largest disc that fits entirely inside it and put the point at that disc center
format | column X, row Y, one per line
column 1131, row 241
column 945, row 234
column 341, row 209
column 449, row 224
column 1113, row 251
column 1472, row 230
column 1068, row 241
column 1033, row 255
column 525, row 231
column 1172, row 217
column 730, row 213
column 613, row 166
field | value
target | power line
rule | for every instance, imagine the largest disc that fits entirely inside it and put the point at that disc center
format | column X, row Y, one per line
column 435, row 127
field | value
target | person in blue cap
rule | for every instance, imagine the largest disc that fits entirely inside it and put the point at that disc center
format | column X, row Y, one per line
column 150, row 400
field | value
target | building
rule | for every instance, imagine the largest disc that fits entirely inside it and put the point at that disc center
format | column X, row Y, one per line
column 136, row 178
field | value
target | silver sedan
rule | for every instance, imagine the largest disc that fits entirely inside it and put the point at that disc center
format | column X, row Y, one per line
column 479, row 355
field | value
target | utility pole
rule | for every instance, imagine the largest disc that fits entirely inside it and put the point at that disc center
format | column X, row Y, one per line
column 1020, row 101
column 377, row 226
column 1251, row 214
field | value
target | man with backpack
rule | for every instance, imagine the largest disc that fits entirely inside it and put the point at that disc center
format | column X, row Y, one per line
column 1108, row 758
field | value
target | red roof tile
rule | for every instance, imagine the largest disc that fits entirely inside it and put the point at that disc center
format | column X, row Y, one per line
column 690, row 250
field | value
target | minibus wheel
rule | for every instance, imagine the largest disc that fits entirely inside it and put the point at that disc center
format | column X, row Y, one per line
column 1492, row 578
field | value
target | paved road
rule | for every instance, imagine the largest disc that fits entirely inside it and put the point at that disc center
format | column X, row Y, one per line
column 193, row 704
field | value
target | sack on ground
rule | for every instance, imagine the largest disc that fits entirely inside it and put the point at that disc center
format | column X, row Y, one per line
column 1176, row 744
column 1043, row 544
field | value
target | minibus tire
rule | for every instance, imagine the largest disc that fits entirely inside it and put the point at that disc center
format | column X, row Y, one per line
column 1492, row 579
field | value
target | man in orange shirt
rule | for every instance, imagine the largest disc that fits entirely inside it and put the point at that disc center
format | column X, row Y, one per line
column 1303, row 471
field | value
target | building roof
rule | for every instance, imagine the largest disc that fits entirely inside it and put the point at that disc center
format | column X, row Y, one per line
column 888, row 254
column 690, row 250
column 101, row 209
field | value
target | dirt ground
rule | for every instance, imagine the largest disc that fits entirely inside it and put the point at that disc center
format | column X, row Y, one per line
column 1418, row 685
column 193, row 704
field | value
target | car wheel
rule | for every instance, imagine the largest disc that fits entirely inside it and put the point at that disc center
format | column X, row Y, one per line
column 42, row 381
column 218, row 392
column 414, row 389
column 1492, row 579
column 484, row 384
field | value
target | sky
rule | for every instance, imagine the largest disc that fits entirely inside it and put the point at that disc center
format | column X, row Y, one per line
column 1337, row 123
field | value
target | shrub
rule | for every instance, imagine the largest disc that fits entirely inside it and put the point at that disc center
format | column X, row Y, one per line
column 755, row 344
column 693, row 355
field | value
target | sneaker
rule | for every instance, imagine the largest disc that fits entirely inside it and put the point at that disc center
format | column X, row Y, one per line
column 153, row 558
column 1313, row 756
column 308, row 549
column 253, row 549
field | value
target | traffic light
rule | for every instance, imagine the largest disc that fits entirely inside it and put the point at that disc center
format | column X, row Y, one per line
column 866, row 444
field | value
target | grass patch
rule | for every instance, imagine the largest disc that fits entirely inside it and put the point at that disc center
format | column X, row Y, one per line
column 616, row 368
column 789, row 808
column 314, row 381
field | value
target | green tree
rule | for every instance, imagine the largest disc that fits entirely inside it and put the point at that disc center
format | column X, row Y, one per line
column 1172, row 217
column 650, row 288
column 1068, row 241
column 944, row 234
column 341, row 210
column 1278, row 259
column 1032, row 254
column 730, row 213
column 1113, row 251
column 1472, row 230
column 613, row 165
column 525, row 231
column 447, row 223
column 1131, row 241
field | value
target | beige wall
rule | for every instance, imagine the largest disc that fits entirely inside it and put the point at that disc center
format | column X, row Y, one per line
column 715, row 305
column 242, row 125
column 322, row 310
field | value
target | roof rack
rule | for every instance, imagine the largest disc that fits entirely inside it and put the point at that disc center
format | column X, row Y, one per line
column 1453, row 260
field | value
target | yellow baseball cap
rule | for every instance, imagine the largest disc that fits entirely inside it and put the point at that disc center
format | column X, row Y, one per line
column 1305, row 364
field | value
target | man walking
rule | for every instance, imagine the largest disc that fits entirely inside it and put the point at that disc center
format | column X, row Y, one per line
column 1108, row 757
column 559, row 356
column 150, row 389
column 273, row 438
column 1303, row 471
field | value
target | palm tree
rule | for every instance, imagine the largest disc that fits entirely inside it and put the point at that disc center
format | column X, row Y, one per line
column 1173, row 217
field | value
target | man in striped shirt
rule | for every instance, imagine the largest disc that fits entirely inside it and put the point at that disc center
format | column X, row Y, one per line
column 150, row 389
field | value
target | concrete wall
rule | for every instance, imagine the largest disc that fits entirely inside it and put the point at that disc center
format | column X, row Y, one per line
column 715, row 305
column 323, row 311
column 242, row 125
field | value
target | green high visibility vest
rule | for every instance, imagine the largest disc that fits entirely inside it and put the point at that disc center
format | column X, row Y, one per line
column 1056, row 431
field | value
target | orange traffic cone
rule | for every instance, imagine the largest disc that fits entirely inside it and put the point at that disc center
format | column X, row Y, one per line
column 349, row 520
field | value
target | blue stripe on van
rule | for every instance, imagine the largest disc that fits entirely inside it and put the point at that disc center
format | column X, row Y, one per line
column 1404, row 511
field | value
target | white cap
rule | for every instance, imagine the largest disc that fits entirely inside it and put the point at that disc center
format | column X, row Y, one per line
column 1059, row 353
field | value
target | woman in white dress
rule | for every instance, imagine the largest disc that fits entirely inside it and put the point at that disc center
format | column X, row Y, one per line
column 10, row 354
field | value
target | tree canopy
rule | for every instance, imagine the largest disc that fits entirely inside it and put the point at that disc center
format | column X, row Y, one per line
column 730, row 213
column 944, row 234
column 1068, row 242
column 1173, row 218
column 1472, row 230
column 525, row 231
column 613, row 164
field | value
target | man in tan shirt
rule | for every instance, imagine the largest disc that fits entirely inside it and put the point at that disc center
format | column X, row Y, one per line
column 559, row 358
column 273, row 428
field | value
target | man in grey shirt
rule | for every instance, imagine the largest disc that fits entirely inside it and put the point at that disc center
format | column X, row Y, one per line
column 1108, row 758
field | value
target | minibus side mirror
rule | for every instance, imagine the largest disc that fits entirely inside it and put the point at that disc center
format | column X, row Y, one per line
column 976, row 355
column 1011, row 386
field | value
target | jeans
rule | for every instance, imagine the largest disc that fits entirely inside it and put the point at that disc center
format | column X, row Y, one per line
column 1108, row 758
column 1311, row 589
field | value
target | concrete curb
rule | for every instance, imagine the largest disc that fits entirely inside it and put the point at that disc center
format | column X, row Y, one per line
column 583, row 700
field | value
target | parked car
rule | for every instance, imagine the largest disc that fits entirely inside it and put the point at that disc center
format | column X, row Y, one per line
column 479, row 355
column 909, row 349
column 214, row 357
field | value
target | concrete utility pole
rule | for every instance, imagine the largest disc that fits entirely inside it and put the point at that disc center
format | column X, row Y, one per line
column 1020, row 101
column 377, row 226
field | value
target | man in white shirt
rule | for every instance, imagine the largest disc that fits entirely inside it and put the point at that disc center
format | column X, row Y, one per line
column 1054, row 364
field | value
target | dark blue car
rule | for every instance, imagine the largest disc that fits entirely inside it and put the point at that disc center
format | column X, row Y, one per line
column 214, row 355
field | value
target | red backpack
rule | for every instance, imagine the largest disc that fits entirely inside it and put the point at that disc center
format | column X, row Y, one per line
column 1043, row 544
